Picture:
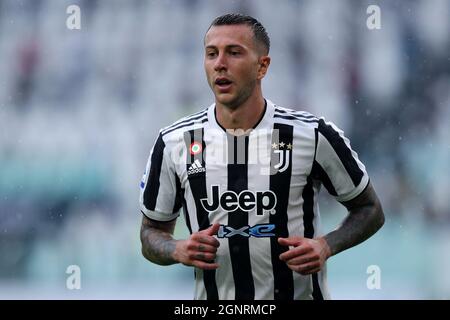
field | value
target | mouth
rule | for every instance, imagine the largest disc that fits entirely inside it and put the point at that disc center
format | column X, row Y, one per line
column 223, row 83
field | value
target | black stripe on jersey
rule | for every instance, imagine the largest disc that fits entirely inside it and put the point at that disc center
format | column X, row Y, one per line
column 201, row 120
column 308, row 218
column 180, row 201
column 319, row 173
column 296, row 113
column 291, row 117
column 179, row 195
column 280, row 184
column 197, row 115
column 342, row 150
column 317, row 293
column 186, row 216
column 239, row 245
column 197, row 183
column 308, row 209
column 152, row 186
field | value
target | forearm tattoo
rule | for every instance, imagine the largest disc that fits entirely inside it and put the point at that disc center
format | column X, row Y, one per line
column 158, row 244
column 364, row 219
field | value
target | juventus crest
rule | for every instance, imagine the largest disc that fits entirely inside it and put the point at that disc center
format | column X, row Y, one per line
column 281, row 156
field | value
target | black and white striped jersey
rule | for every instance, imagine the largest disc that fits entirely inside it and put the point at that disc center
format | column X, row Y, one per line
column 258, row 186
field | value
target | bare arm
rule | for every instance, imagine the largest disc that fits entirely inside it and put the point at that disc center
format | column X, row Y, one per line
column 160, row 247
column 365, row 217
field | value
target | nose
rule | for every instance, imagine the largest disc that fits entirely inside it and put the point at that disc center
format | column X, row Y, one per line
column 220, row 63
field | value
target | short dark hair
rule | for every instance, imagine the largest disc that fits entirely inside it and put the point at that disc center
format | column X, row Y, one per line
column 259, row 32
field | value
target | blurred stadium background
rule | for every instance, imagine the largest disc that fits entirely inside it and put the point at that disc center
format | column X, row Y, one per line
column 80, row 109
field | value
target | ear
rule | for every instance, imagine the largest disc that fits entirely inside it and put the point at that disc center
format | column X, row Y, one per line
column 264, row 62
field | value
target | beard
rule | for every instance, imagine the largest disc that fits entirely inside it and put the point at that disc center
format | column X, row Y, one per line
column 237, row 99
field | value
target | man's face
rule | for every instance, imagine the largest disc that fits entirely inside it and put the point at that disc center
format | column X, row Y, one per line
column 233, row 63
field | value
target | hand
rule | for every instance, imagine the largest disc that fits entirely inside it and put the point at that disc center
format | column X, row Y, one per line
column 307, row 255
column 199, row 250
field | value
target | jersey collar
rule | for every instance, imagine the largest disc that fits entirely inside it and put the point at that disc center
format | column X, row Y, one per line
column 264, row 122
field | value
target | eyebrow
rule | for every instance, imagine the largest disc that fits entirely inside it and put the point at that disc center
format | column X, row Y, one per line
column 230, row 46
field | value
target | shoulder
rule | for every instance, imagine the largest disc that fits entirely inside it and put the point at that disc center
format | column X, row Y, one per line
column 308, row 126
column 304, row 119
column 177, row 128
column 295, row 118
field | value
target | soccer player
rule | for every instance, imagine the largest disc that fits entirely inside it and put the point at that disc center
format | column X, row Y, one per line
column 247, row 173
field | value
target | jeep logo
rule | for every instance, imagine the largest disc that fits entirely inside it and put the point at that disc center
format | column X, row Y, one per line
column 263, row 201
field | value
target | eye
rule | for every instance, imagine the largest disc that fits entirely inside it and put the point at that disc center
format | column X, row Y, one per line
column 211, row 54
column 234, row 53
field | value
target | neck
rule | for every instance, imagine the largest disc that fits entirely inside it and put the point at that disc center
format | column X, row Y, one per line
column 244, row 117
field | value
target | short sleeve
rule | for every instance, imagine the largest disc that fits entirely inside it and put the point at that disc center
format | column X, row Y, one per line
column 336, row 164
column 160, row 190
